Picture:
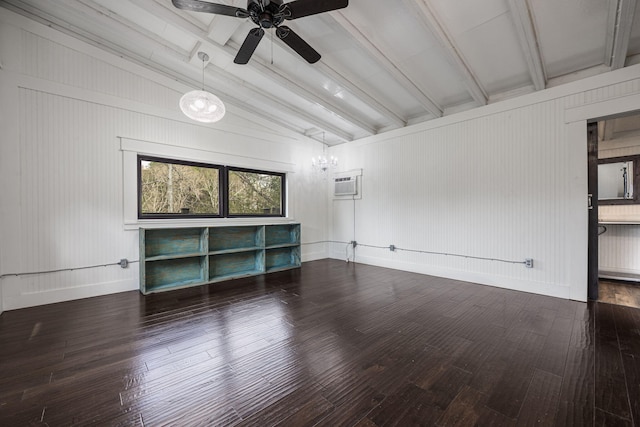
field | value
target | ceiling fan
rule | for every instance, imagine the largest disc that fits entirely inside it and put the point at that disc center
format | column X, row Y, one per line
column 268, row 14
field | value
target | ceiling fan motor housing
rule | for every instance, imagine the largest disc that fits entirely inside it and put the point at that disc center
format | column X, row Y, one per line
column 265, row 13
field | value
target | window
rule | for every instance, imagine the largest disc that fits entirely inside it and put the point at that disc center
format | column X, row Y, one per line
column 254, row 193
column 169, row 188
column 173, row 188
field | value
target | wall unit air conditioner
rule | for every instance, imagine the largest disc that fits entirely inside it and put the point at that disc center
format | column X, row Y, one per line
column 345, row 186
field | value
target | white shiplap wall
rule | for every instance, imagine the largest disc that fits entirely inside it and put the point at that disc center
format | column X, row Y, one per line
column 619, row 249
column 65, row 108
column 504, row 181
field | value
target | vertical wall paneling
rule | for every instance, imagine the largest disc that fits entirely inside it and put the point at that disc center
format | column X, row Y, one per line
column 619, row 250
column 64, row 109
column 479, row 188
column 504, row 181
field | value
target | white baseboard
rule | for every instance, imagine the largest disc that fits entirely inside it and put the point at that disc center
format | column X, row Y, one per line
column 540, row 288
column 314, row 256
column 23, row 300
column 627, row 274
column 314, row 251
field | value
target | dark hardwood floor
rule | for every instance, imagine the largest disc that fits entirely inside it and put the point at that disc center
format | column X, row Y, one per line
column 619, row 292
column 330, row 344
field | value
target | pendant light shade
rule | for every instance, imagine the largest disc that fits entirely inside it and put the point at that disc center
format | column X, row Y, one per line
column 201, row 105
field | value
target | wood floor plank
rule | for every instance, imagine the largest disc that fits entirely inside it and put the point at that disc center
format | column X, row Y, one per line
column 330, row 344
column 553, row 356
column 610, row 383
column 409, row 406
column 308, row 400
column 464, row 410
column 509, row 393
column 577, row 401
column 489, row 417
column 541, row 402
column 353, row 408
column 619, row 292
column 631, row 364
column 604, row 418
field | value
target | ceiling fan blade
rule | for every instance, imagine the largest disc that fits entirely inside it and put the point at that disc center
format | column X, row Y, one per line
column 296, row 43
column 203, row 6
column 299, row 8
column 249, row 46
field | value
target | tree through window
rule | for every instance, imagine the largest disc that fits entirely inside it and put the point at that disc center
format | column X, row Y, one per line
column 173, row 188
column 255, row 193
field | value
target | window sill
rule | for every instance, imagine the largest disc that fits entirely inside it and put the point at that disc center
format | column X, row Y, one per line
column 203, row 222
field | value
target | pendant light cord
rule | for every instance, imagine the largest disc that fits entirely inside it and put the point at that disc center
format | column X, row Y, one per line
column 324, row 146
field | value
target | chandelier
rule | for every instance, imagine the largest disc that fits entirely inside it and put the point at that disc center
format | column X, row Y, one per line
column 201, row 105
column 323, row 163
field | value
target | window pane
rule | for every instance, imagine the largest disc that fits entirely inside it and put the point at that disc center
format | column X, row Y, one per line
column 255, row 193
column 174, row 188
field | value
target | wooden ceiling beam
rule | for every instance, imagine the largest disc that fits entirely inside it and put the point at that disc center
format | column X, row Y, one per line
column 619, row 26
column 528, row 39
column 394, row 69
column 299, row 89
column 255, row 93
column 434, row 25
column 395, row 118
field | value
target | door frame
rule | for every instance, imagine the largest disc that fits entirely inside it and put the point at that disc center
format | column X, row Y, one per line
column 592, row 188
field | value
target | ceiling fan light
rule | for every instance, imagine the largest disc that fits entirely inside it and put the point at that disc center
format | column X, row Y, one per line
column 202, row 106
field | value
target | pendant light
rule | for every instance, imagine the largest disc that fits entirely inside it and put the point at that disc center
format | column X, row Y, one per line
column 201, row 105
column 323, row 163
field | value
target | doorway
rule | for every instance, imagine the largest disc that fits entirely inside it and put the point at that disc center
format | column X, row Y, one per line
column 613, row 146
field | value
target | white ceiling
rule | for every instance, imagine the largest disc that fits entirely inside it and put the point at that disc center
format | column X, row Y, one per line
column 385, row 63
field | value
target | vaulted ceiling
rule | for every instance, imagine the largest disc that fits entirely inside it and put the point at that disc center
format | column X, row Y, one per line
column 385, row 63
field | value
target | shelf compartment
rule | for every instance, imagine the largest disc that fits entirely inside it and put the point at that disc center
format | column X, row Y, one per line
column 173, row 242
column 236, row 264
column 227, row 239
column 231, row 251
column 174, row 273
column 165, row 257
column 284, row 245
column 282, row 258
column 281, row 235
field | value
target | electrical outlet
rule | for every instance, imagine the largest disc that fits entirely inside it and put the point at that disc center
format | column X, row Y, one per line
column 124, row 263
column 528, row 262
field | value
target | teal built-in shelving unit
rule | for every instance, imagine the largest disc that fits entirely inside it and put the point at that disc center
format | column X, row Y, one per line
column 172, row 258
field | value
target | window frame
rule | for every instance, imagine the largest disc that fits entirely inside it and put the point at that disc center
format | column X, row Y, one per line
column 223, row 195
column 283, row 193
column 221, row 187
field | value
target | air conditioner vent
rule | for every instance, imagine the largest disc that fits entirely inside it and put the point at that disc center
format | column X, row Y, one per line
column 345, row 186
